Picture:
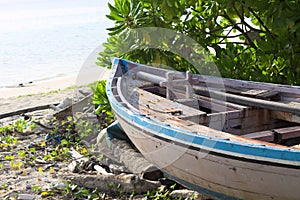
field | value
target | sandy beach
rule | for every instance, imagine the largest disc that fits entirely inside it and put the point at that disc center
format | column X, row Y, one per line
column 38, row 87
column 52, row 91
column 84, row 77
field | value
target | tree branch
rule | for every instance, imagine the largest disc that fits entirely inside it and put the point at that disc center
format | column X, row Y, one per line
column 260, row 21
column 244, row 22
column 240, row 30
column 242, row 43
column 221, row 36
column 227, row 35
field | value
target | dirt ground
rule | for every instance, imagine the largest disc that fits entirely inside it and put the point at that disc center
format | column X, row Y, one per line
column 36, row 159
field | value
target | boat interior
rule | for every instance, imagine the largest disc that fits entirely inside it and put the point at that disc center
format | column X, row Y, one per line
column 263, row 113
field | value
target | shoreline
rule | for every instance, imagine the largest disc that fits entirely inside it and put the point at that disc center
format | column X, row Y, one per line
column 84, row 77
column 36, row 87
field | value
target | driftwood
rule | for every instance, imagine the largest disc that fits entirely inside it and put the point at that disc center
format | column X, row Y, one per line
column 114, row 183
column 73, row 108
column 61, row 112
column 73, row 166
column 134, row 161
column 106, row 181
column 26, row 110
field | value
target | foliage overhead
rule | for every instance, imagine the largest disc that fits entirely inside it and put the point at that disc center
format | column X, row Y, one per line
column 251, row 40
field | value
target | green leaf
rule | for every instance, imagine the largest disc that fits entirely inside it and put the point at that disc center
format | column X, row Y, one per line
column 116, row 30
column 64, row 142
column 113, row 9
column 115, row 18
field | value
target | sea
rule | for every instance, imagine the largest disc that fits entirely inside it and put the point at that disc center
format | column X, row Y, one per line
column 42, row 39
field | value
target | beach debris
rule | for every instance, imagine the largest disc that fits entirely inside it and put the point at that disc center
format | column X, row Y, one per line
column 117, row 169
column 187, row 194
column 35, row 162
column 26, row 197
column 105, row 180
column 119, row 144
column 134, row 161
column 127, row 183
column 65, row 103
column 67, row 109
column 25, row 110
column 102, row 170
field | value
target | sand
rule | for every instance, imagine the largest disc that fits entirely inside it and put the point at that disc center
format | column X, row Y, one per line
column 52, row 91
column 85, row 76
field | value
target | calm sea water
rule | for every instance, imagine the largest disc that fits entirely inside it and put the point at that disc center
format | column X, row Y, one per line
column 43, row 39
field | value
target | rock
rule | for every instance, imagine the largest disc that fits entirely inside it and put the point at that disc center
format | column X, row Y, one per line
column 65, row 103
column 117, row 169
column 26, row 197
column 101, row 139
column 101, row 170
column 73, row 167
column 187, row 194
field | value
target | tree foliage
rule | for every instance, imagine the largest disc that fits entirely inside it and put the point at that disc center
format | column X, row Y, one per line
column 251, row 40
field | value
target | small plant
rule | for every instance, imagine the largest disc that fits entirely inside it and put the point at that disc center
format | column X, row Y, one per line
column 100, row 100
column 20, row 125
column 36, row 188
column 22, row 153
column 4, row 186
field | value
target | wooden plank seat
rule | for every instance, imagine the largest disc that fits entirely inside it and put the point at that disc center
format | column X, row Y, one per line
column 287, row 133
column 255, row 93
column 276, row 135
column 267, row 136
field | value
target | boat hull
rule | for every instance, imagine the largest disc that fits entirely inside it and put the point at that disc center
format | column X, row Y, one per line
column 221, row 165
column 216, row 175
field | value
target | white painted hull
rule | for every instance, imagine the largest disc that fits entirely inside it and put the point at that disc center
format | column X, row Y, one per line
column 233, row 178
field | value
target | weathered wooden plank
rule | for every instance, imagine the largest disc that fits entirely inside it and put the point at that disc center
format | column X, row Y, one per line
column 148, row 101
column 26, row 110
column 287, row 133
column 262, row 94
column 249, row 101
column 285, row 116
column 287, row 89
column 182, row 123
column 267, row 136
column 270, row 95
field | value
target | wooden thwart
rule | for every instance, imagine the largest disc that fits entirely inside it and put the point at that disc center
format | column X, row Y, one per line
column 275, row 135
column 256, row 93
column 288, row 133
column 248, row 101
column 267, row 136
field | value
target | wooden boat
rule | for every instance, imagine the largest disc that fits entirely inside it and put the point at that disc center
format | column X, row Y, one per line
column 230, row 139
